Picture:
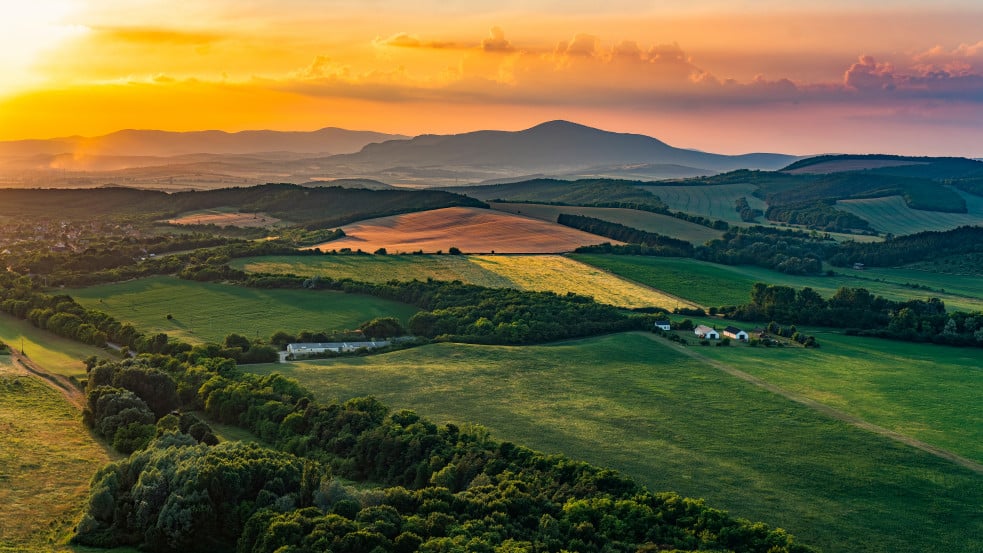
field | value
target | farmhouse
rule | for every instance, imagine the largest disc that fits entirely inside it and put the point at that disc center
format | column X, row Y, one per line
column 706, row 332
column 663, row 324
column 735, row 333
column 315, row 348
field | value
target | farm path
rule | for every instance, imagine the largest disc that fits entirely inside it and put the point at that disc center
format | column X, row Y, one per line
column 826, row 409
column 56, row 381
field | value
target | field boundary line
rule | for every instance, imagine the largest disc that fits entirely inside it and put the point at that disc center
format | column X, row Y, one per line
column 831, row 412
column 635, row 282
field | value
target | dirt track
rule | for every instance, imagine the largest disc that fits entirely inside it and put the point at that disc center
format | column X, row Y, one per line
column 827, row 410
column 56, row 381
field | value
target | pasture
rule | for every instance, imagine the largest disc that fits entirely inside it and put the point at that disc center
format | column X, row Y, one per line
column 552, row 273
column 928, row 392
column 56, row 354
column 632, row 402
column 891, row 214
column 469, row 229
column 715, row 201
column 47, row 458
column 710, row 284
column 207, row 312
column 665, row 225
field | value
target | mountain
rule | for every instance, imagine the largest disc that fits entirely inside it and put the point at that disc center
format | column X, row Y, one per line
column 153, row 143
column 550, row 148
column 209, row 159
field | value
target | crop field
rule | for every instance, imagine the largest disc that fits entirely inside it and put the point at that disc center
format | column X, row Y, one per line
column 715, row 202
column 225, row 217
column 665, row 225
column 207, row 312
column 924, row 391
column 46, row 460
column 673, row 422
column 711, row 284
column 471, row 230
column 56, row 354
column 892, row 215
column 552, row 273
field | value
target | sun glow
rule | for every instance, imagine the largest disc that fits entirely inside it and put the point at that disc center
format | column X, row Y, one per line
column 28, row 29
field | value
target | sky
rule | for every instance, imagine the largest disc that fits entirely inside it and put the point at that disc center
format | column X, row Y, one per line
column 839, row 76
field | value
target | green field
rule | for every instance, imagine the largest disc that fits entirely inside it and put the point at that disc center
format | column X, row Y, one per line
column 711, row 284
column 928, row 392
column 54, row 353
column 631, row 402
column 665, row 225
column 892, row 215
column 46, row 461
column 715, row 202
column 207, row 312
column 553, row 273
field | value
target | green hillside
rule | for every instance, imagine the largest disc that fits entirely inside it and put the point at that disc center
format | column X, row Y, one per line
column 673, row 422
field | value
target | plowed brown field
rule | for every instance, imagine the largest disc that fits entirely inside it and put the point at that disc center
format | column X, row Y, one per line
column 471, row 230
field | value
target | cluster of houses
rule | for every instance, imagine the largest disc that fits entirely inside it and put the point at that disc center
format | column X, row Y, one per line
column 731, row 332
column 707, row 333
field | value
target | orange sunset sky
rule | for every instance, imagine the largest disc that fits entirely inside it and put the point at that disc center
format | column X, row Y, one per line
column 731, row 77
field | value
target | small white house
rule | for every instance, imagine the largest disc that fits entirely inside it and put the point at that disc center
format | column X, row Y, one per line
column 735, row 333
column 663, row 324
column 706, row 332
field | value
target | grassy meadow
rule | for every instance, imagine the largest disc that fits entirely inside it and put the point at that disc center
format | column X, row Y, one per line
column 207, row 312
column 632, row 402
column 710, row 284
column 715, row 202
column 644, row 220
column 891, row 214
column 928, row 392
column 552, row 273
column 47, row 458
column 56, row 354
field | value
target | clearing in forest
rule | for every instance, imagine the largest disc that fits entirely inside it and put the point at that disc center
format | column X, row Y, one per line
column 225, row 218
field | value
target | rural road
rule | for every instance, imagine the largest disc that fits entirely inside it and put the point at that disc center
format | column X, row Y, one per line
column 826, row 409
column 56, row 381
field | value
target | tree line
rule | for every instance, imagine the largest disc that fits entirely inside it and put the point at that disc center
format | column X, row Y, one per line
column 665, row 245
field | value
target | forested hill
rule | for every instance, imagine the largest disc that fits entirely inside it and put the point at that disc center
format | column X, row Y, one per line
column 593, row 192
column 936, row 168
column 311, row 206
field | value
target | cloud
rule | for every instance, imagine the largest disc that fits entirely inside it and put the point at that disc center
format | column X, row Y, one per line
column 496, row 42
column 867, row 74
column 404, row 40
column 150, row 35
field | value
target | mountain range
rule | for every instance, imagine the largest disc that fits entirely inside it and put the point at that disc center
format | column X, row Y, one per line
column 207, row 159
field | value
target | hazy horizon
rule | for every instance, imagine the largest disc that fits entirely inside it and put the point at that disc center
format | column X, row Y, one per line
column 868, row 76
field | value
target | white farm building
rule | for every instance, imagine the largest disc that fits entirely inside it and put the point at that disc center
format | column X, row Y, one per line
column 735, row 333
column 706, row 332
column 314, row 348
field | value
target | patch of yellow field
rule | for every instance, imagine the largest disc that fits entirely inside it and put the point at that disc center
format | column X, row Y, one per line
column 559, row 274
column 225, row 219
column 471, row 230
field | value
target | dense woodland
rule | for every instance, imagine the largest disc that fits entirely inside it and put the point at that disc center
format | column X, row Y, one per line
column 354, row 477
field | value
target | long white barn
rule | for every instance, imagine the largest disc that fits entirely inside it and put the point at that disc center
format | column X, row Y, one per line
column 313, row 348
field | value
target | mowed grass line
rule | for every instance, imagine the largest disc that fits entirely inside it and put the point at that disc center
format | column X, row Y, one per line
column 928, row 392
column 552, row 273
column 711, row 284
column 891, row 214
column 54, row 353
column 665, row 225
column 47, row 458
column 715, row 202
column 207, row 312
column 632, row 403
